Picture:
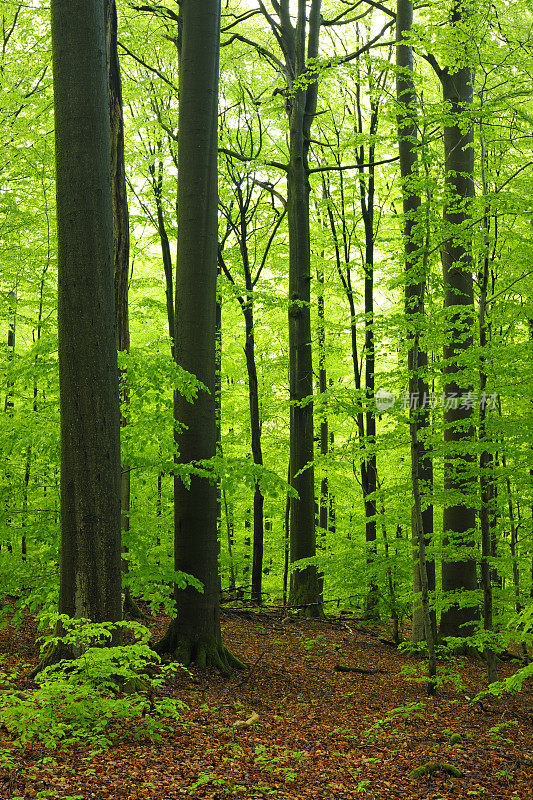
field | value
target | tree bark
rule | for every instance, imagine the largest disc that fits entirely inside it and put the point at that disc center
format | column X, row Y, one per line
column 90, row 580
column 458, row 572
column 195, row 633
column 415, row 247
column 304, row 587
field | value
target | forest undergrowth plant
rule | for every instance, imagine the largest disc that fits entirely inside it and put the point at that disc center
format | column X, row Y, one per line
column 449, row 672
column 94, row 698
column 497, row 732
column 279, row 761
column 410, row 712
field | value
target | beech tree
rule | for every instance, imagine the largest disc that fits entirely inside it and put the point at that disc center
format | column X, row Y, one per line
column 90, row 582
column 194, row 635
column 459, row 479
column 416, row 246
column 388, row 199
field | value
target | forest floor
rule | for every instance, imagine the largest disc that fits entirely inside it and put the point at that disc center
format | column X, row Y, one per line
column 320, row 732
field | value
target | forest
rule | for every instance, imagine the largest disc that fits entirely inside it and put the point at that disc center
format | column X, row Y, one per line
column 266, row 349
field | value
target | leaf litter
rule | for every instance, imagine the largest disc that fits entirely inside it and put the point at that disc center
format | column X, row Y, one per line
column 325, row 709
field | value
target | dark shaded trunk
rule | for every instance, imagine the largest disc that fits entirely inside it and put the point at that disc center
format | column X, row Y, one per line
column 486, row 466
column 10, row 387
column 323, row 504
column 218, row 401
column 195, row 633
column 257, row 453
column 300, row 43
column 121, row 238
column 157, row 185
column 458, row 571
column 286, row 542
column 230, row 536
column 9, row 405
column 416, row 246
column 90, row 580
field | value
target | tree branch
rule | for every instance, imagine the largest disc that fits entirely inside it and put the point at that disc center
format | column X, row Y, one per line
column 342, row 167
column 148, row 67
column 365, row 47
column 247, row 159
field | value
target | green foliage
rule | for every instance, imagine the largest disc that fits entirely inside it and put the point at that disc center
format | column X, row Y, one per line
column 275, row 760
column 407, row 713
column 512, row 684
column 93, row 699
column 497, row 731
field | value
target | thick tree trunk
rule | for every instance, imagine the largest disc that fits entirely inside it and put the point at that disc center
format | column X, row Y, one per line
column 11, row 331
column 486, row 459
column 195, row 633
column 121, row 238
column 415, row 286
column 458, row 572
column 304, row 588
column 9, row 404
column 90, row 581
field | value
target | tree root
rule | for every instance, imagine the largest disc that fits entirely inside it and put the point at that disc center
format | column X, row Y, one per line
column 51, row 655
column 130, row 607
column 204, row 652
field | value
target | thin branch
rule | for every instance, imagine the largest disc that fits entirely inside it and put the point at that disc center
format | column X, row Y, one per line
column 238, row 19
column 342, row 167
column 261, row 50
column 513, row 176
column 381, row 7
column 148, row 67
column 268, row 186
column 247, row 159
column 503, row 291
column 161, row 11
column 365, row 47
column 269, row 243
column 430, row 58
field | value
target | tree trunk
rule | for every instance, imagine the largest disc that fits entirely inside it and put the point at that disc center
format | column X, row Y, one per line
column 304, row 587
column 121, row 238
column 323, row 504
column 257, row 452
column 486, row 460
column 415, row 269
column 458, row 572
column 415, row 287
column 9, row 405
column 195, row 633
column 90, row 581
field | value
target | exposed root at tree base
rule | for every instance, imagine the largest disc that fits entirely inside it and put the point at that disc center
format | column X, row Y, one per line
column 204, row 652
column 52, row 655
column 130, row 606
